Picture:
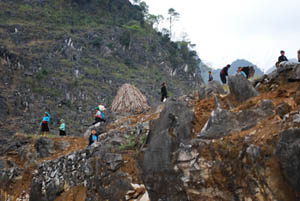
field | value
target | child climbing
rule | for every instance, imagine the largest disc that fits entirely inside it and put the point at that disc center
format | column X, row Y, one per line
column 62, row 128
column 210, row 77
column 93, row 137
column 44, row 124
column 99, row 116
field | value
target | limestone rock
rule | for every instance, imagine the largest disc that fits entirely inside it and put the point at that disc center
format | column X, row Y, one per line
column 219, row 124
column 241, row 88
column 166, row 134
column 287, row 149
column 129, row 100
column 212, row 87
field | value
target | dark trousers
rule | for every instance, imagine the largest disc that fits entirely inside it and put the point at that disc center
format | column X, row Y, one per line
column 223, row 78
column 162, row 98
column 97, row 120
column 62, row 133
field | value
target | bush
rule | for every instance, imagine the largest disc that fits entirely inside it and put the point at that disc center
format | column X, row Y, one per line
column 125, row 39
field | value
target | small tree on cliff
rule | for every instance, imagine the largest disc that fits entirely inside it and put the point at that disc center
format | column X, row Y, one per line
column 173, row 16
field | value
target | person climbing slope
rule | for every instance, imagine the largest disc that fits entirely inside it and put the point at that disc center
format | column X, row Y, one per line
column 164, row 92
column 99, row 116
column 93, row 137
column 241, row 72
column 210, row 77
column 44, row 124
column 62, row 128
column 224, row 74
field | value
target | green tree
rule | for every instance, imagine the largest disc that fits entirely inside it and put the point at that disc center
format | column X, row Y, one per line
column 133, row 28
column 173, row 16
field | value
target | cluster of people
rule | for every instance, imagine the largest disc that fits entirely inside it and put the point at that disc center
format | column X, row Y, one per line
column 246, row 71
column 44, row 125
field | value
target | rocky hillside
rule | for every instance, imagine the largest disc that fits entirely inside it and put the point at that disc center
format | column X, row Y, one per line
column 66, row 57
column 243, row 146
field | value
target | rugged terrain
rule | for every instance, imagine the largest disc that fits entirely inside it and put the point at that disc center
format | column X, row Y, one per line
column 208, row 147
column 68, row 56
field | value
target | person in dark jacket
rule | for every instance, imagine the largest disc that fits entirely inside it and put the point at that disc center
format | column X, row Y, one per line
column 164, row 92
column 210, row 77
column 224, row 73
column 298, row 55
column 282, row 57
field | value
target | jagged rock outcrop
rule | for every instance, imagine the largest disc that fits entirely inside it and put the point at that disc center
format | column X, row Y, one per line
column 223, row 122
column 96, row 167
column 241, row 88
column 129, row 100
column 213, row 87
column 288, row 149
column 171, row 130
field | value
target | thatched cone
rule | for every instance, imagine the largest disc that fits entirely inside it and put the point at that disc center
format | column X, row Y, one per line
column 129, row 100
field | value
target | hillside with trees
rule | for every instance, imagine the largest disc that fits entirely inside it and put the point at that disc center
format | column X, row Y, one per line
column 68, row 56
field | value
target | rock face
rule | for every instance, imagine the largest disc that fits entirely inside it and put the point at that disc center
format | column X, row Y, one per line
column 96, row 167
column 241, row 88
column 211, row 87
column 287, row 150
column 129, row 100
column 223, row 122
column 220, row 123
column 167, row 133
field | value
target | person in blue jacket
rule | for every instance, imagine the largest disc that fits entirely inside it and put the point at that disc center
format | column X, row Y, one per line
column 62, row 128
column 44, row 124
column 241, row 72
column 93, row 137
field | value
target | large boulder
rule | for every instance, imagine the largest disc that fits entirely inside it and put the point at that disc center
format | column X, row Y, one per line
column 241, row 88
column 222, row 122
column 288, row 151
column 129, row 100
column 213, row 87
column 171, row 130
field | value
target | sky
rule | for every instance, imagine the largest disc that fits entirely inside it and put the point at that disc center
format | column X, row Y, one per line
column 226, row 30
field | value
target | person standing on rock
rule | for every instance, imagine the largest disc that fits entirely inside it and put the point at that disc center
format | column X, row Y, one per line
column 99, row 117
column 224, row 74
column 164, row 92
column 210, row 77
column 44, row 124
column 282, row 58
column 62, row 128
column 93, row 137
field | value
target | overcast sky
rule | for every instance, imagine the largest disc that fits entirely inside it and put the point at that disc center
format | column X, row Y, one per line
column 226, row 30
